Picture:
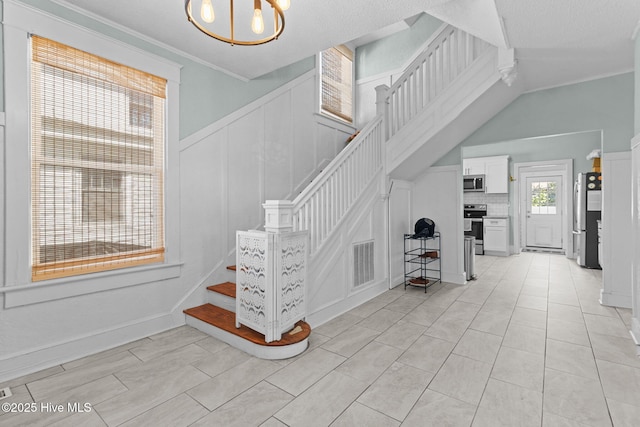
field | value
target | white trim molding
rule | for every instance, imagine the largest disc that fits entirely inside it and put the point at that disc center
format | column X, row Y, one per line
column 507, row 65
column 76, row 347
column 19, row 21
column 562, row 167
column 635, row 232
column 635, row 141
column 34, row 21
column 616, row 222
column 146, row 38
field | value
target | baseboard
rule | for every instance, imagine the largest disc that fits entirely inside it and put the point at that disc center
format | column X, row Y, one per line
column 613, row 299
column 635, row 330
column 17, row 365
column 260, row 351
column 496, row 253
column 397, row 281
column 334, row 310
column 455, row 278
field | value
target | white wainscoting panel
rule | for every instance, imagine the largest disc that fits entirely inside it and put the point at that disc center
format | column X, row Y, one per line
column 331, row 290
column 616, row 225
column 635, row 236
column 399, row 224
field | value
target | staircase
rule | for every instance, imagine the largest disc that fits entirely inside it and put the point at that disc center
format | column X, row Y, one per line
column 448, row 91
column 217, row 318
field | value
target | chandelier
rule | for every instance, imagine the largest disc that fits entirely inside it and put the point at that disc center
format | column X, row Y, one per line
column 204, row 20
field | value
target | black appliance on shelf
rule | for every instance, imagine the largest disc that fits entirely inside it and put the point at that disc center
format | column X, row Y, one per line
column 473, row 225
column 587, row 200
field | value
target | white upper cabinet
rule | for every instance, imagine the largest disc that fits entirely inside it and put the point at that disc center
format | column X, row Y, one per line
column 497, row 174
column 473, row 166
column 495, row 169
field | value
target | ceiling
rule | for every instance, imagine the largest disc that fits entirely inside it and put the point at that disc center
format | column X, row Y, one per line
column 555, row 41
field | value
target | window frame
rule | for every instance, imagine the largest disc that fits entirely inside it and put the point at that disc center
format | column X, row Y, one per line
column 321, row 111
column 79, row 128
column 19, row 22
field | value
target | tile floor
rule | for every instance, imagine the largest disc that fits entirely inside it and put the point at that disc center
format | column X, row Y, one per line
column 527, row 344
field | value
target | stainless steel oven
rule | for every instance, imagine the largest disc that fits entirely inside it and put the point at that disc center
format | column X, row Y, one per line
column 473, row 225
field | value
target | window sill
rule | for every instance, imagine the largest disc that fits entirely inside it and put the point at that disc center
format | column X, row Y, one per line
column 332, row 122
column 55, row 289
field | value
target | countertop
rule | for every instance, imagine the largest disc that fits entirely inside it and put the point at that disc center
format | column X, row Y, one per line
column 495, row 217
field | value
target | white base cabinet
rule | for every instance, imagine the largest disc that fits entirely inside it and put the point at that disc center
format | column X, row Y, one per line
column 496, row 236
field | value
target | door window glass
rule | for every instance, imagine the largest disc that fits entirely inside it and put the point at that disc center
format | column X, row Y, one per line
column 543, row 197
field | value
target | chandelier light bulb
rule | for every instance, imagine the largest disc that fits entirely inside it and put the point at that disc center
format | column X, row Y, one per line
column 202, row 15
column 206, row 11
column 284, row 4
column 257, row 23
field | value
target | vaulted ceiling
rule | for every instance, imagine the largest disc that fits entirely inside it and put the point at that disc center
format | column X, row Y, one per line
column 556, row 41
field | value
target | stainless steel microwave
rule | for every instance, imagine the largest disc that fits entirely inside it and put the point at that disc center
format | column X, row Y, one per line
column 473, row 183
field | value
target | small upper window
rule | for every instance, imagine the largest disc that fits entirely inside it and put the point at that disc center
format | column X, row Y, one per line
column 337, row 82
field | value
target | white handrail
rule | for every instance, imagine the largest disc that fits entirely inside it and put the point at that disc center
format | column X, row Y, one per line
column 451, row 52
column 323, row 204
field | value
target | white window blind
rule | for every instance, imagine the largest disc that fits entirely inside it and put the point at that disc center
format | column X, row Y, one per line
column 97, row 140
column 337, row 82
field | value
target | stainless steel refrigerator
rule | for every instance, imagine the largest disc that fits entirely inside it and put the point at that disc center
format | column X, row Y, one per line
column 587, row 200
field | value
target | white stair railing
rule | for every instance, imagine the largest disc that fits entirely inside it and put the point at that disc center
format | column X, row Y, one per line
column 324, row 203
column 447, row 56
column 272, row 265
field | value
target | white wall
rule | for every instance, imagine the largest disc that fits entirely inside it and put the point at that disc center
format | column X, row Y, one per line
column 270, row 149
column 437, row 194
column 331, row 289
column 399, row 224
column 45, row 323
column 365, row 92
column 616, row 224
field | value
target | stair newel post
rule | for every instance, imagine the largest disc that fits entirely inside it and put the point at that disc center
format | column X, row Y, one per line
column 382, row 107
column 278, row 216
column 286, row 293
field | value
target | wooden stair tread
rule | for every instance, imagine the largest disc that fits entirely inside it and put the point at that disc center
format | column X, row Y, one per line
column 231, row 267
column 226, row 321
column 226, row 288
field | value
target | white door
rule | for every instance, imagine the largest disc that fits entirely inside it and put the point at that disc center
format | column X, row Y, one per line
column 543, row 219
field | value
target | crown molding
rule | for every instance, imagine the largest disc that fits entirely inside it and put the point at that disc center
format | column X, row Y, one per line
column 145, row 38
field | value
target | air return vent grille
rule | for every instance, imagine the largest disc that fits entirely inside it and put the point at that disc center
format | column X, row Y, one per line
column 363, row 263
column 5, row 393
